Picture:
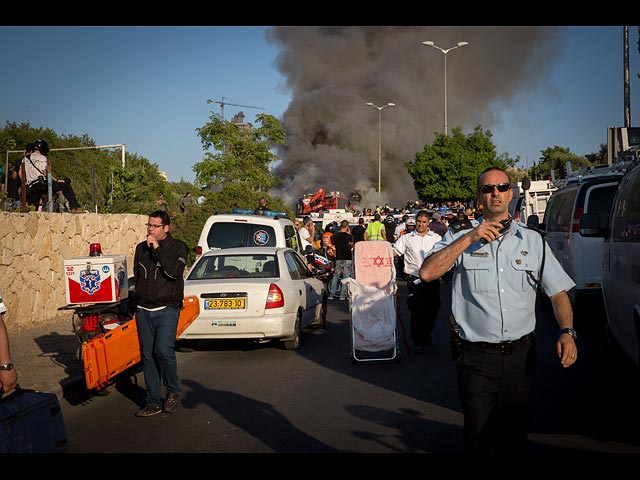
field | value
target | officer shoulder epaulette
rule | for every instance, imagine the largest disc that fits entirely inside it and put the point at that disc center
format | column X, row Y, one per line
column 461, row 225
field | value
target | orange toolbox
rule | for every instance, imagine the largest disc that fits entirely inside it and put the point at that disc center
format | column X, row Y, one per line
column 109, row 354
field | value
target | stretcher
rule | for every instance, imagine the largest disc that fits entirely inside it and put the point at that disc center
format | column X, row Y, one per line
column 111, row 353
column 373, row 309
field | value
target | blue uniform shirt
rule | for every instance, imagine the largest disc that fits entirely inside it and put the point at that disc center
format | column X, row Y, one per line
column 493, row 296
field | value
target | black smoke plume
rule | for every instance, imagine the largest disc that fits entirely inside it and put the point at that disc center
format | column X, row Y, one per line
column 333, row 72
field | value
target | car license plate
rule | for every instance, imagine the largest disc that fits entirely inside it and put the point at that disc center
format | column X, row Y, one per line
column 224, row 304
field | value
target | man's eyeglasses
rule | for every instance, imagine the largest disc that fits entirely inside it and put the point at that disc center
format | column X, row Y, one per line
column 488, row 188
column 151, row 225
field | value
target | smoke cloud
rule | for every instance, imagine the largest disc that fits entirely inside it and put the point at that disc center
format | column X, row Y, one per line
column 333, row 72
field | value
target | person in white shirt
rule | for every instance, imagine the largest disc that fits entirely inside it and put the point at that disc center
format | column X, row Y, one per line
column 307, row 233
column 423, row 300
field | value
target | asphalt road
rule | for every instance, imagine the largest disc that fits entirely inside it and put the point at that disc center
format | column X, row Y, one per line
column 241, row 397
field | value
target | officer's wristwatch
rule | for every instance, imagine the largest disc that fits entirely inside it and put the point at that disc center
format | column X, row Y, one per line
column 569, row 331
column 7, row 366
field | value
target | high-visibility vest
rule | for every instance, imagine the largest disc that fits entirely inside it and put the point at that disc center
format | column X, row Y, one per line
column 327, row 244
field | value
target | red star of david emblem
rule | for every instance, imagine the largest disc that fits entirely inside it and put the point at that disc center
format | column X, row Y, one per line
column 378, row 261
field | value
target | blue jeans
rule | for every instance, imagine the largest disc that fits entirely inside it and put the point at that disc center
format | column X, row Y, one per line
column 345, row 267
column 157, row 333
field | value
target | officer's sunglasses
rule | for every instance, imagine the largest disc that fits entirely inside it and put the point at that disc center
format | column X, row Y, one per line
column 488, row 188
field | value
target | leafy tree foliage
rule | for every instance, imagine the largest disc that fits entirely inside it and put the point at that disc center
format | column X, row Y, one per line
column 600, row 157
column 96, row 175
column 242, row 155
column 555, row 158
column 449, row 168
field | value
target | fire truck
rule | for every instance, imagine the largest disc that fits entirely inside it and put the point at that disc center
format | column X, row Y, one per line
column 320, row 201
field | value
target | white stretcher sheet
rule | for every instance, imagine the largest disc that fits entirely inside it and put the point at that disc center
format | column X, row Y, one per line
column 372, row 292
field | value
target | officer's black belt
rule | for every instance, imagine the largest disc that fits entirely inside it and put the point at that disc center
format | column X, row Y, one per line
column 503, row 348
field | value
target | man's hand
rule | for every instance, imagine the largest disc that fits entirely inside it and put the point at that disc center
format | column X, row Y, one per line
column 487, row 231
column 152, row 242
column 8, row 380
column 567, row 350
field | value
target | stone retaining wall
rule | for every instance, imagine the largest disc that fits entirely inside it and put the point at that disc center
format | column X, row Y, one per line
column 34, row 246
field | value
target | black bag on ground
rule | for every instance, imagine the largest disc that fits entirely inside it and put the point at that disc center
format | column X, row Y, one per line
column 31, row 422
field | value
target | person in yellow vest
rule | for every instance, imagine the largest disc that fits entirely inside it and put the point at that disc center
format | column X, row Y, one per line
column 375, row 229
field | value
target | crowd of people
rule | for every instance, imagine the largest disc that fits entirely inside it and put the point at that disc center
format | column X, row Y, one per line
column 496, row 275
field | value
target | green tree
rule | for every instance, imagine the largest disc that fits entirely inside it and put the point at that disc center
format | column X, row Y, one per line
column 242, row 155
column 600, row 157
column 449, row 168
column 96, row 175
column 555, row 158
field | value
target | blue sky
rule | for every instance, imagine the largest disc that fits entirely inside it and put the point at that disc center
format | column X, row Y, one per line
column 147, row 87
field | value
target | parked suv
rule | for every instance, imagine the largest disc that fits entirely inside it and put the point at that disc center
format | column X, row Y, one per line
column 242, row 228
column 579, row 253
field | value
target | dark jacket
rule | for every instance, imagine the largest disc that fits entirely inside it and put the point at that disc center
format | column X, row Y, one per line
column 159, row 274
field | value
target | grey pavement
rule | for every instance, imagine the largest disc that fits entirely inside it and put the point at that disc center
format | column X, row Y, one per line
column 46, row 356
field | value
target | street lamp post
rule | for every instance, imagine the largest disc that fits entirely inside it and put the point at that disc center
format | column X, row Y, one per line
column 380, row 137
column 429, row 43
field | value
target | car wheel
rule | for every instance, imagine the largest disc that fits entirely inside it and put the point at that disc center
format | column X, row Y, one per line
column 294, row 342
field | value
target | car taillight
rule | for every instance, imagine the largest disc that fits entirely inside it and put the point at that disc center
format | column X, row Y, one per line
column 198, row 250
column 275, row 298
column 575, row 224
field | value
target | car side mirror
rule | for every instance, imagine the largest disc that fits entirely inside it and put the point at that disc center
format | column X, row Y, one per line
column 590, row 225
column 533, row 221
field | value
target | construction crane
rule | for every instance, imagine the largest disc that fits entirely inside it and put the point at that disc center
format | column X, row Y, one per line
column 223, row 103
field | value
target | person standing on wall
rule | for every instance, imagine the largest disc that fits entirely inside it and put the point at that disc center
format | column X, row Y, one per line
column 158, row 270
column 36, row 170
column 499, row 266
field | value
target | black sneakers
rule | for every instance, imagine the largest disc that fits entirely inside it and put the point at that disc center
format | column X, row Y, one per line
column 171, row 403
column 148, row 410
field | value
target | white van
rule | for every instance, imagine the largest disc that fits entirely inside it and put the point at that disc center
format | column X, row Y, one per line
column 621, row 267
column 243, row 228
column 580, row 254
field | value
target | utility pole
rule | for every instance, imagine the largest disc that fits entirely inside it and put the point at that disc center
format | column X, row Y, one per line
column 223, row 103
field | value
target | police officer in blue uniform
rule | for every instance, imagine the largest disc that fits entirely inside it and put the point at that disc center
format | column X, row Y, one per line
column 497, row 272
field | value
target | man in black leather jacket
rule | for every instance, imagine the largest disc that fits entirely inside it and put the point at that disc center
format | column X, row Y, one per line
column 158, row 270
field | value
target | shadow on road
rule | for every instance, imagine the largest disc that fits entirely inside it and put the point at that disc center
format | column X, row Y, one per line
column 258, row 419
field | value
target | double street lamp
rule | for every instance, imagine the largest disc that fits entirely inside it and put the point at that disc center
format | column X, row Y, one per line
column 380, row 136
column 429, row 43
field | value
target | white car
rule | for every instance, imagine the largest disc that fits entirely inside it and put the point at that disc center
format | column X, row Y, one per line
column 260, row 293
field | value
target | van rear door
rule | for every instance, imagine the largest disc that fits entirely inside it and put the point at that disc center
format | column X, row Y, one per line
column 587, row 251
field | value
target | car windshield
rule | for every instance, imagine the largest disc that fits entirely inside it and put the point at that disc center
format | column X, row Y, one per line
column 230, row 266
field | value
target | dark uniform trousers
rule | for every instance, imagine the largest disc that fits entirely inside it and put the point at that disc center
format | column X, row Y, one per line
column 423, row 302
column 495, row 383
